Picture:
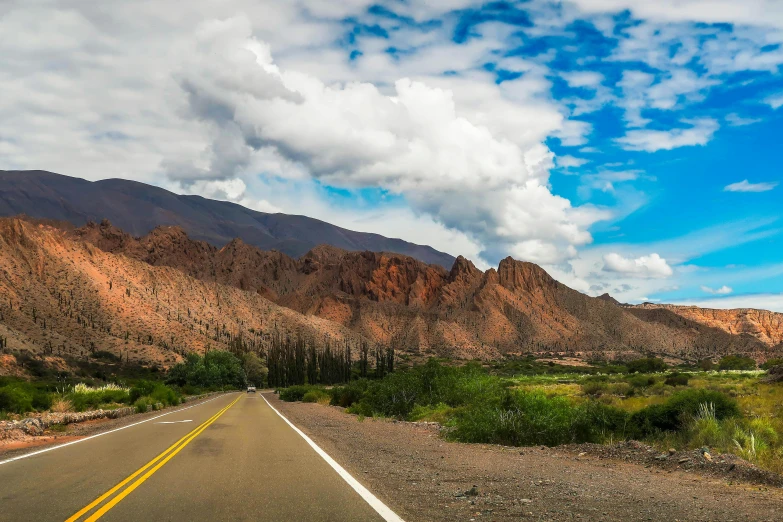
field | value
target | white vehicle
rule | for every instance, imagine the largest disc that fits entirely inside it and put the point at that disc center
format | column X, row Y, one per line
column 251, row 389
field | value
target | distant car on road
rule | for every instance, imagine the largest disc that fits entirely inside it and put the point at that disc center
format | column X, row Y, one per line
column 251, row 389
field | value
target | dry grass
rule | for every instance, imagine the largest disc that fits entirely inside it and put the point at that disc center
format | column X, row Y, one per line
column 62, row 406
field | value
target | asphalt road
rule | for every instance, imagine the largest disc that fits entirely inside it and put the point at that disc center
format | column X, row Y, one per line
column 232, row 458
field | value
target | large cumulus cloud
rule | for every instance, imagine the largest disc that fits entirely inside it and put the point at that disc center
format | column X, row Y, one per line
column 412, row 141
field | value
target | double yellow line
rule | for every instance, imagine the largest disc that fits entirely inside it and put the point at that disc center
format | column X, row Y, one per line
column 161, row 460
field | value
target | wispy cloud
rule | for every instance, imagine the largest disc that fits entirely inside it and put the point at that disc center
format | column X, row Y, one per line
column 649, row 140
column 746, row 186
column 775, row 101
column 735, row 120
column 568, row 162
column 723, row 290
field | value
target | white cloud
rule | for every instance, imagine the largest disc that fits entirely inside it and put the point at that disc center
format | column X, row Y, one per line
column 723, row 290
column 735, row 120
column 746, row 186
column 568, row 162
column 773, row 302
column 583, row 79
column 751, row 12
column 481, row 177
column 653, row 266
column 775, row 101
column 139, row 93
column 648, row 140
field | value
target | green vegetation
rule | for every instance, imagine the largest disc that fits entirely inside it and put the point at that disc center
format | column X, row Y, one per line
column 735, row 362
column 95, row 385
column 19, row 397
column 731, row 411
column 215, row 370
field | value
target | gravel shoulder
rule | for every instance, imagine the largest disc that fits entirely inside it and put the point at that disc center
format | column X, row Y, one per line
column 423, row 477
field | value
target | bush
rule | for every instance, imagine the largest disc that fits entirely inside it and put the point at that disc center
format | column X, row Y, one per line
column 216, row 369
column 15, row 400
column 319, row 396
column 165, row 395
column 676, row 379
column 347, row 395
column 141, row 389
column 595, row 389
column 771, row 363
column 143, row 404
column 532, row 418
column 736, row 362
column 646, row 365
column 297, row 393
column 641, row 381
column 674, row 414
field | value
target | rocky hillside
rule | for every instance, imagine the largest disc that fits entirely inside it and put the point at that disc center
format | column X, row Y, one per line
column 390, row 298
column 63, row 297
column 762, row 324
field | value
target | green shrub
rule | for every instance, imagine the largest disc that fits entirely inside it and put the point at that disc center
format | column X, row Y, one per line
column 143, row 404
column 641, row 381
column 437, row 413
column 347, row 395
column 165, row 395
column 736, row 362
column 93, row 399
column 216, row 369
column 674, row 414
column 676, row 379
column 316, row 396
column 595, row 389
column 141, row 389
column 15, row 400
column 296, row 393
column 771, row 363
column 646, row 365
column 532, row 418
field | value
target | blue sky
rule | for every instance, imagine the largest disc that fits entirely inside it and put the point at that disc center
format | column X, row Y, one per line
column 627, row 146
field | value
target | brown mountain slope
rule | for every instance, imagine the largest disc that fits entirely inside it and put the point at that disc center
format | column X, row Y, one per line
column 464, row 312
column 66, row 297
column 762, row 324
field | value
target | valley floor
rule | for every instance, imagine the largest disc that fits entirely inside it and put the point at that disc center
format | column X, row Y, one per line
column 422, row 477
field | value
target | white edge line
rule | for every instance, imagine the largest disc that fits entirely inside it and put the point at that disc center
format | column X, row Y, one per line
column 52, row 448
column 383, row 510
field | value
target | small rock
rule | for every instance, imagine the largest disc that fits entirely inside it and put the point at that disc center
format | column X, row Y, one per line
column 582, row 454
column 526, row 501
column 662, row 457
column 472, row 492
column 683, row 460
column 707, row 456
column 672, row 451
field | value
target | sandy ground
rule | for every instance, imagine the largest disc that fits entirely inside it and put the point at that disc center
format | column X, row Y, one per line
column 423, row 477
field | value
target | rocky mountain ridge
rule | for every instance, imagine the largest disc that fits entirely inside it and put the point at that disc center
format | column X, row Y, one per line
column 464, row 312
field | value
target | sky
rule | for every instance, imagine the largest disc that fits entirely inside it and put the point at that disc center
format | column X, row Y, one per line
column 627, row 146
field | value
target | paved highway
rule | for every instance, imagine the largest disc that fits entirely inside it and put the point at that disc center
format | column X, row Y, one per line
column 231, row 458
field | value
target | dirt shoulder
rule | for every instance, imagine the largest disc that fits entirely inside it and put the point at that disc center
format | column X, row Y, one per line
column 423, row 477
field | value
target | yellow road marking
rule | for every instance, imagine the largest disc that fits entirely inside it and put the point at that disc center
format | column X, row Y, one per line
column 170, row 451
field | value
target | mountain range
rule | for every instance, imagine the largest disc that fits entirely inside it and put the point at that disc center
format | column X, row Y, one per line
column 152, row 298
column 138, row 208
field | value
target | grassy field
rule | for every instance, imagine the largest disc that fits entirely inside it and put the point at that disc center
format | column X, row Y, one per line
column 532, row 403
